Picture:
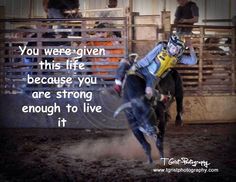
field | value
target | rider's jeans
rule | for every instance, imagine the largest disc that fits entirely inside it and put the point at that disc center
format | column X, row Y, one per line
column 121, row 71
column 149, row 78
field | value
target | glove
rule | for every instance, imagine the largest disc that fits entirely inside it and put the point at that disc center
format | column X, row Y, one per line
column 165, row 98
column 117, row 88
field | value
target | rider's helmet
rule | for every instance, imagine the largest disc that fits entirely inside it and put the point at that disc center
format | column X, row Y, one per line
column 175, row 46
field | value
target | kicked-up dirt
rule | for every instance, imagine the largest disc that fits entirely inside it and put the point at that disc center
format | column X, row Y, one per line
column 115, row 155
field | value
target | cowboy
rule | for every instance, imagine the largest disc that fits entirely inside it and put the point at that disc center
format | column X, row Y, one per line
column 187, row 13
column 156, row 64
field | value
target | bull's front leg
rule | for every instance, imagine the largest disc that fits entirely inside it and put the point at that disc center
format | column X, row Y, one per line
column 139, row 135
column 146, row 146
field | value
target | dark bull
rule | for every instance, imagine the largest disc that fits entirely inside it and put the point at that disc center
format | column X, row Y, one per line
column 150, row 117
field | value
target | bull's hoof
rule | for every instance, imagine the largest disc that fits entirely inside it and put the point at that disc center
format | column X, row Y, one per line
column 178, row 121
column 160, row 162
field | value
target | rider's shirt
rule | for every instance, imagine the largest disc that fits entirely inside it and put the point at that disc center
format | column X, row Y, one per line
column 158, row 61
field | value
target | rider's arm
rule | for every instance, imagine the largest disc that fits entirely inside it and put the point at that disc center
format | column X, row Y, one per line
column 149, row 57
column 191, row 60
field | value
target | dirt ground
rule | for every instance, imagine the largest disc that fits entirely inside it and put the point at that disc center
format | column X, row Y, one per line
column 113, row 155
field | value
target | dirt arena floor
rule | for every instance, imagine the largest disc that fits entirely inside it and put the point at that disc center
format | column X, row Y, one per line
column 111, row 155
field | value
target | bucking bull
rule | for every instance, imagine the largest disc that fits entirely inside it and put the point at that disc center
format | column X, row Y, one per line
column 150, row 116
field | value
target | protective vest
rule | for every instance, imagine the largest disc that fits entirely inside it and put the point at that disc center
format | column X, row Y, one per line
column 166, row 62
column 162, row 63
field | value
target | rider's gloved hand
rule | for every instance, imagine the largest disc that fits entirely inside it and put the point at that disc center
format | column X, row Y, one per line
column 149, row 92
column 117, row 86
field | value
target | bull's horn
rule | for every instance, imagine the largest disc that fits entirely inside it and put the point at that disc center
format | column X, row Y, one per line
column 121, row 108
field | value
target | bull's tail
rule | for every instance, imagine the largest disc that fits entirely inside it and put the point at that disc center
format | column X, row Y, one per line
column 121, row 108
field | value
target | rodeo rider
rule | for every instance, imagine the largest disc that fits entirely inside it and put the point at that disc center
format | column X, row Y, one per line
column 156, row 64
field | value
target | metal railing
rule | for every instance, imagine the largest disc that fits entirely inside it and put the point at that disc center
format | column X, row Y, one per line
column 215, row 47
column 76, row 35
column 215, row 72
column 213, row 75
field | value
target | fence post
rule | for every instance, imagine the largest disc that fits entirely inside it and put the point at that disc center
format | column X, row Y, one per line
column 200, row 63
column 40, row 44
column 84, row 35
column 126, row 38
column 233, row 49
column 2, row 52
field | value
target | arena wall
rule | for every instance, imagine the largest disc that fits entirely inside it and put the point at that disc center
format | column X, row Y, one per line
column 207, row 109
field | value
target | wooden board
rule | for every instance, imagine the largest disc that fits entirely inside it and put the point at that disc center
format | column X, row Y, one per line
column 213, row 109
column 146, row 28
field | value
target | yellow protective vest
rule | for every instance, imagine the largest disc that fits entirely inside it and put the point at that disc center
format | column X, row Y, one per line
column 166, row 62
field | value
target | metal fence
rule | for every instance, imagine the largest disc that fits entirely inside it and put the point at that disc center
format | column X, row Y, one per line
column 215, row 72
column 213, row 75
column 77, row 36
column 215, row 48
